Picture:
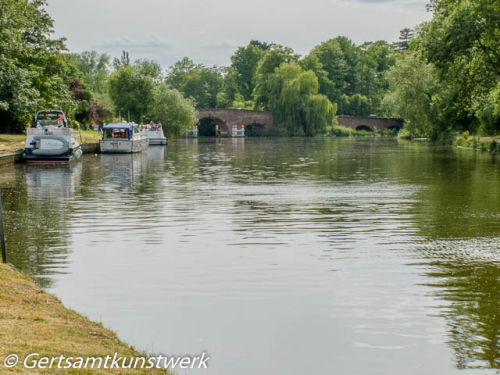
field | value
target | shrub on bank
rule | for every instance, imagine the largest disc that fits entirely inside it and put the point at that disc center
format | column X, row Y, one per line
column 468, row 141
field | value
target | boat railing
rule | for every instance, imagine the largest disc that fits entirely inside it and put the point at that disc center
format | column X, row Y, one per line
column 55, row 131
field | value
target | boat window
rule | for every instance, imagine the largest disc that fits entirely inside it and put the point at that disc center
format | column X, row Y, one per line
column 116, row 133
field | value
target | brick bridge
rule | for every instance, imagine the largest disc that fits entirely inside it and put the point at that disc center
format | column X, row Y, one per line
column 370, row 123
column 231, row 122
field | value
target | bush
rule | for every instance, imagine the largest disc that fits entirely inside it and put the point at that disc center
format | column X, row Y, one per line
column 404, row 134
column 389, row 133
column 340, row 131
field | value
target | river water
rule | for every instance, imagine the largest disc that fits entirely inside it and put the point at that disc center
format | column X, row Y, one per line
column 275, row 256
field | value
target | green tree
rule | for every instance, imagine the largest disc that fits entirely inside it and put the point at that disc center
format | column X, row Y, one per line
column 291, row 94
column 149, row 68
column 413, row 85
column 326, row 86
column 176, row 113
column 264, row 46
column 462, row 41
column 131, row 92
column 197, row 81
column 123, row 60
column 33, row 72
column 405, row 36
column 272, row 60
column 94, row 68
column 336, row 65
column 373, row 62
column 244, row 62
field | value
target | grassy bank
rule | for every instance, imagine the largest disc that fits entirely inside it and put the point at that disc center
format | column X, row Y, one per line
column 14, row 142
column 491, row 144
column 34, row 321
column 11, row 142
column 342, row 131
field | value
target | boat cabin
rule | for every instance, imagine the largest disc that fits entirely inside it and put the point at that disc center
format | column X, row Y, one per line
column 120, row 131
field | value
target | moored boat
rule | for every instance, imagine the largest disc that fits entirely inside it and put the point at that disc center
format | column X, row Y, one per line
column 51, row 139
column 122, row 138
column 154, row 133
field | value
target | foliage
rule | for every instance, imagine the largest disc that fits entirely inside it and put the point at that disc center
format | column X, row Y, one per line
column 176, row 113
column 271, row 61
column 413, row 84
column 352, row 76
column 197, row 81
column 149, row 68
column 291, row 94
column 461, row 46
column 32, row 70
column 405, row 36
column 342, row 131
column 244, row 62
column 356, row 105
column 373, row 63
column 94, row 69
column 131, row 92
column 123, row 60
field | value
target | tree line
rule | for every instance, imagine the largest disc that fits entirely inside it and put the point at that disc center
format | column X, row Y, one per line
column 440, row 76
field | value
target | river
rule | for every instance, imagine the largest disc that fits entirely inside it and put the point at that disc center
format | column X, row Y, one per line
column 275, row 256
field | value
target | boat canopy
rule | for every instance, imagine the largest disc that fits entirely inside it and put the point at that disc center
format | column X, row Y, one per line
column 119, row 126
column 50, row 117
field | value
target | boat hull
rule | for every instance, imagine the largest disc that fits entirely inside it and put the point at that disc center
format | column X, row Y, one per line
column 66, row 157
column 157, row 141
column 123, row 146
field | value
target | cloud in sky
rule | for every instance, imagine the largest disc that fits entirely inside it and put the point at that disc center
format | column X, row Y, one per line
column 210, row 31
column 151, row 42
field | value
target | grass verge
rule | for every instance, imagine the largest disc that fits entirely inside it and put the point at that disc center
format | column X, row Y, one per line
column 34, row 321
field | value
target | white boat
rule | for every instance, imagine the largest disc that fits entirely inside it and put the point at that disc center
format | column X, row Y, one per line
column 155, row 135
column 51, row 139
column 122, row 138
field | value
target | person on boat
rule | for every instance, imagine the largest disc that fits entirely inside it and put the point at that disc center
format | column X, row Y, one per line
column 159, row 126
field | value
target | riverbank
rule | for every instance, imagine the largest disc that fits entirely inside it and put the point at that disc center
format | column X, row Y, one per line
column 465, row 140
column 34, row 321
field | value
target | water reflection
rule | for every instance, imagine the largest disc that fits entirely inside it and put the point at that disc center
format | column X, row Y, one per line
column 329, row 250
column 37, row 218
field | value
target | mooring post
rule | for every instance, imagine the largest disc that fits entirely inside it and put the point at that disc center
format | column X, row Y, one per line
column 2, row 233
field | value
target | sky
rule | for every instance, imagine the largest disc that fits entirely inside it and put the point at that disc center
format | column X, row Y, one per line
column 209, row 31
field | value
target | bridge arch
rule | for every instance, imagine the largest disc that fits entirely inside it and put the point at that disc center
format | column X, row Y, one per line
column 394, row 128
column 371, row 123
column 212, row 127
column 255, row 130
column 232, row 122
column 364, row 127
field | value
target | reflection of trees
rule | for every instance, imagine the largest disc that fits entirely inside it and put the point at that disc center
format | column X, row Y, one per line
column 457, row 214
column 42, row 203
column 471, row 289
column 462, row 198
column 37, row 218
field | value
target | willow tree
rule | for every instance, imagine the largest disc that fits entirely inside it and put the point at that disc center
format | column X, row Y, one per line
column 271, row 60
column 291, row 94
